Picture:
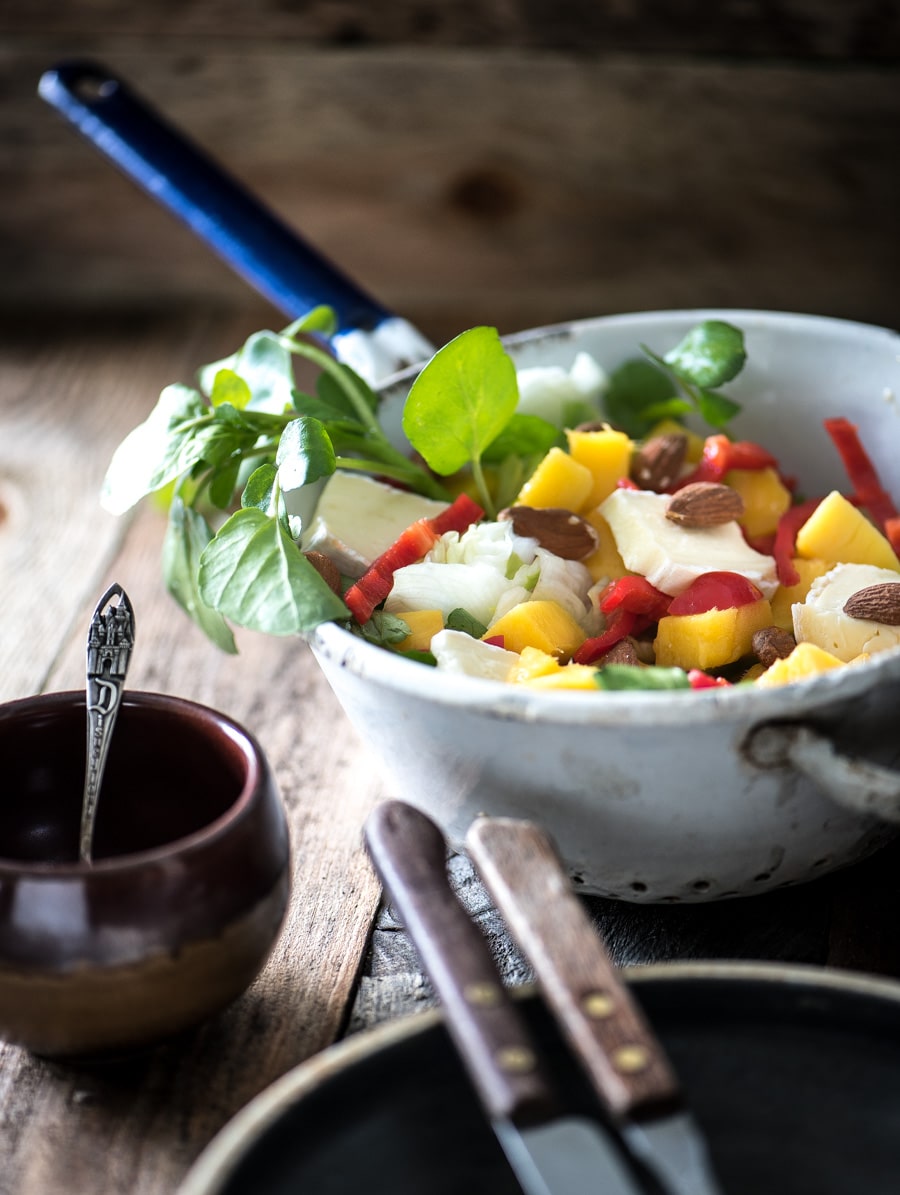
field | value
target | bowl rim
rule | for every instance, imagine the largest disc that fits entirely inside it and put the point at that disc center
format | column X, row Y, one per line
column 251, row 790
column 334, row 645
column 332, row 642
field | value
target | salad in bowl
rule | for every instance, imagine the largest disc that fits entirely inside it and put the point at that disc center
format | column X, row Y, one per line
column 573, row 575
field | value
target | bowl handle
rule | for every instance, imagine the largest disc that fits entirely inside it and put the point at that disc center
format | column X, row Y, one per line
column 852, row 783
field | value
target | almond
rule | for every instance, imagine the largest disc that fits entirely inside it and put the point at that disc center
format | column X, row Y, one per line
column 878, row 603
column 772, row 643
column 623, row 652
column 327, row 570
column 658, row 463
column 705, row 504
column 561, row 532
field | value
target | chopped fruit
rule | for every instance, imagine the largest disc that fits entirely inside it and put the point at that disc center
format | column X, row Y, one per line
column 766, row 498
column 605, row 563
column 839, row 532
column 787, row 596
column 542, row 624
column 607, row 454
column 569, row 676
column 533, row 662
column 804, row 661
column 559, row 480
column 711, row 639
column 423, row 626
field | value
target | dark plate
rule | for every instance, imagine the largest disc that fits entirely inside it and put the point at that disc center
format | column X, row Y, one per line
column 793, row 1074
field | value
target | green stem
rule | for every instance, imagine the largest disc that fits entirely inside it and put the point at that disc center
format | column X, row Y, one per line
column 408, row 474
column 332, row 366
column 486, row 499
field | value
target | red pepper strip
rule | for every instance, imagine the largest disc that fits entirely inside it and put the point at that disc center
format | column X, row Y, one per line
column 495, row 640
column 410, row 546
column 631, row 604
column 620, row 624
column 721, row 455
column 461, row 513
column 785, row 544
column 702, row 680
column 625, row 483
column 892, row 531
column 867, row 487
column 636, row 595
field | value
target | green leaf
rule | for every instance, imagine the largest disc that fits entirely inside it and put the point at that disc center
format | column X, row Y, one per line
column 229, row 387
column 715, row 408
column 186, row 536
column 223, row 483
column 710, row 355
column 253, row 573
column 635, row 388
column 165, row 445
column 265, row 365
column 383, row 629
column 305, row 453
column 258, row 491
column 337, row 393
column 524, row 435
column 461, row 401
column 320, row 321
column 309, row 404
column 615, row 677
column 462, row 620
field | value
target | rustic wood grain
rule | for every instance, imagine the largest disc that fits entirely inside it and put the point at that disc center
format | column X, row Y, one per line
column 793, row 28
column 139, row 1124
column 513, row 186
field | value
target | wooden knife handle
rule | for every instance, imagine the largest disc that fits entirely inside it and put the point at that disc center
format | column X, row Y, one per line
column 410, row 855
column 522, row 871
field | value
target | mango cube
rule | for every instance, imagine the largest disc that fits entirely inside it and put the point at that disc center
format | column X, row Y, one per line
column 558, row 481
column 607, row 454
column 838, row 532
column 541, row 624
column 604, row 563
column 765, row 496
column 533, row 663
column 567, row 676
column 710, row 639
column 423, row 626
column 804, row 661
column 786, row 595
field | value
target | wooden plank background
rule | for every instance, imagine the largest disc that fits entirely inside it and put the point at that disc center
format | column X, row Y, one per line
column 510, row 161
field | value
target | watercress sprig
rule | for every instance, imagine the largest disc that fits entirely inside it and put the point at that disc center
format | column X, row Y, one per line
column 641, row 390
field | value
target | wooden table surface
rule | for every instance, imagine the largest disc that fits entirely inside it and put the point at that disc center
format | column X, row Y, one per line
column 68, row 393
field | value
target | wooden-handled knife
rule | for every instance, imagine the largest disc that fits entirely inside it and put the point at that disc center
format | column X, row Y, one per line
column 551, row 1151
column 606, row 1029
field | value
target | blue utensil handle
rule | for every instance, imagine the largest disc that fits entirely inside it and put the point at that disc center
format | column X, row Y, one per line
column 273, row 258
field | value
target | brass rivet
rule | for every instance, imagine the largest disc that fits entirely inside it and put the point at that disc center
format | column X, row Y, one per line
column 631, row 1059
column 598, row 1005
column 484, row 995
column 515, row 1059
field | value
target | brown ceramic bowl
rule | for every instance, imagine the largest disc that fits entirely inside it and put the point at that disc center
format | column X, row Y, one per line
column 187, row 890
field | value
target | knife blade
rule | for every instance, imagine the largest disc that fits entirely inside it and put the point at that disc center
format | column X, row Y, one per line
column 521, row 869
column 551, row 1152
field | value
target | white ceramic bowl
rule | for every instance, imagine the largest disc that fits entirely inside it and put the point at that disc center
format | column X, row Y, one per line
column 683, row 796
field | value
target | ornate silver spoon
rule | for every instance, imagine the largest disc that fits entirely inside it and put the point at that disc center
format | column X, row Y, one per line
column 109, row 644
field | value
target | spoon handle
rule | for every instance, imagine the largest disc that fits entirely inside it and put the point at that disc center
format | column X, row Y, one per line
column 109, row 645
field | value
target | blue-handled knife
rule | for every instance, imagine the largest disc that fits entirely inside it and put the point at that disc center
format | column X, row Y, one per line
column 607, row 1031
column 551, row 1151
